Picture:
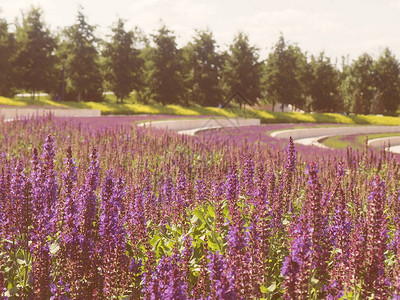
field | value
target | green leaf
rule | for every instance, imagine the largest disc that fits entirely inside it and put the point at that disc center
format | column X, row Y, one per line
column 54, row 247
column 198, row 213
column 194, row 220
column 272, row 287
column 211, row 211
column 11, row 292
column 263, row 289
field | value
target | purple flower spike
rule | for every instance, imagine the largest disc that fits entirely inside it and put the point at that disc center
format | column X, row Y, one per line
column 221, row 279
column 375, row 280
column 297, row 265
column 112, row 234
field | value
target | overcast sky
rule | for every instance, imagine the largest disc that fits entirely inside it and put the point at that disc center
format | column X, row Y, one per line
column 338, row 27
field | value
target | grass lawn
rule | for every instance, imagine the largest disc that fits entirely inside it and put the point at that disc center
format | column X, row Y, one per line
column 110, row 107
column 355, row 141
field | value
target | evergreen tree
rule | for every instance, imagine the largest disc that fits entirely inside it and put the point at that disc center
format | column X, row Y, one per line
column 79, row 49
column 324, row 85
column 242, row 72
column 165, row 68
column 123, row 65
column 286, row 75
column 387, row 84
column 204, row 70
column 35, row 58
column 7, row 48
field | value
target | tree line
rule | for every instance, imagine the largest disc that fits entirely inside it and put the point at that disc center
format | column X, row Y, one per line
column 74, row 64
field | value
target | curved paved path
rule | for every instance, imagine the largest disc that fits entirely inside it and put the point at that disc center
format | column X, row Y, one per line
column 190, row 127
column 312, row 136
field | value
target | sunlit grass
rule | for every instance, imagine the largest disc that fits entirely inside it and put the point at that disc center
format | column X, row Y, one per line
column 131, row 107
column 354, row 141
column 337, row 142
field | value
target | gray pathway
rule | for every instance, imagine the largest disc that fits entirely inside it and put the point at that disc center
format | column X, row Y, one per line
column 312, row 136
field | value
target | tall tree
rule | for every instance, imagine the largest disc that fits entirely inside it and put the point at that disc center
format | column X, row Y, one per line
column 286, row 75
column 35, row 58
column 7, row 48
column 165, row 68
column 82, row 67
column 387, row 83
column 357, row 86
column 204, row 69
column 242, row 71
column 122, row 61
column 324, row 86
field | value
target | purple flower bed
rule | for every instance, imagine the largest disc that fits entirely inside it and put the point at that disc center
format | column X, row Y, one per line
column 128, row 212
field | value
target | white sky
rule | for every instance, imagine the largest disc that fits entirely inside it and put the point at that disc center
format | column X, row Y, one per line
column 338, row 27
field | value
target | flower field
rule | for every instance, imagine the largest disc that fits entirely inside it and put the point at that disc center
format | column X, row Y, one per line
column 135, row 213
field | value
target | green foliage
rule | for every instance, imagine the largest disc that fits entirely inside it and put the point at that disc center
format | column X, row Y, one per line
column 16, row 266
column 357, row 87
column 266, row 117
column 165, row 68
column 7, row 48
column 80, row 55
column 34, row 59
column 203, row 70
column 286, row 75
column 122, row 62
column 243, row 70
column 324, row 86
column 203, row 227
column 387, row 72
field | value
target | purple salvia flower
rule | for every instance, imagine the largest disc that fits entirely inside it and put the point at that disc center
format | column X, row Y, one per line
column 232, row 194
column 289, row 169
column 69, row 211
column 112, row 234
column 89, row 198
column 49, row 180
column 201, row 191
column 318, row 224
column 68, row 269
column 176, row 288
column 88, row 234
column 375, row 280
column 221, row 279
column 248, row 176
column 290, row 163
column 39, row 247
column 20, row 200
column 340, row 230
column 357, row 253
column 239, row 261
column 166, row 282
column 271, row 188
column 186, row 257
column 297, row 265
